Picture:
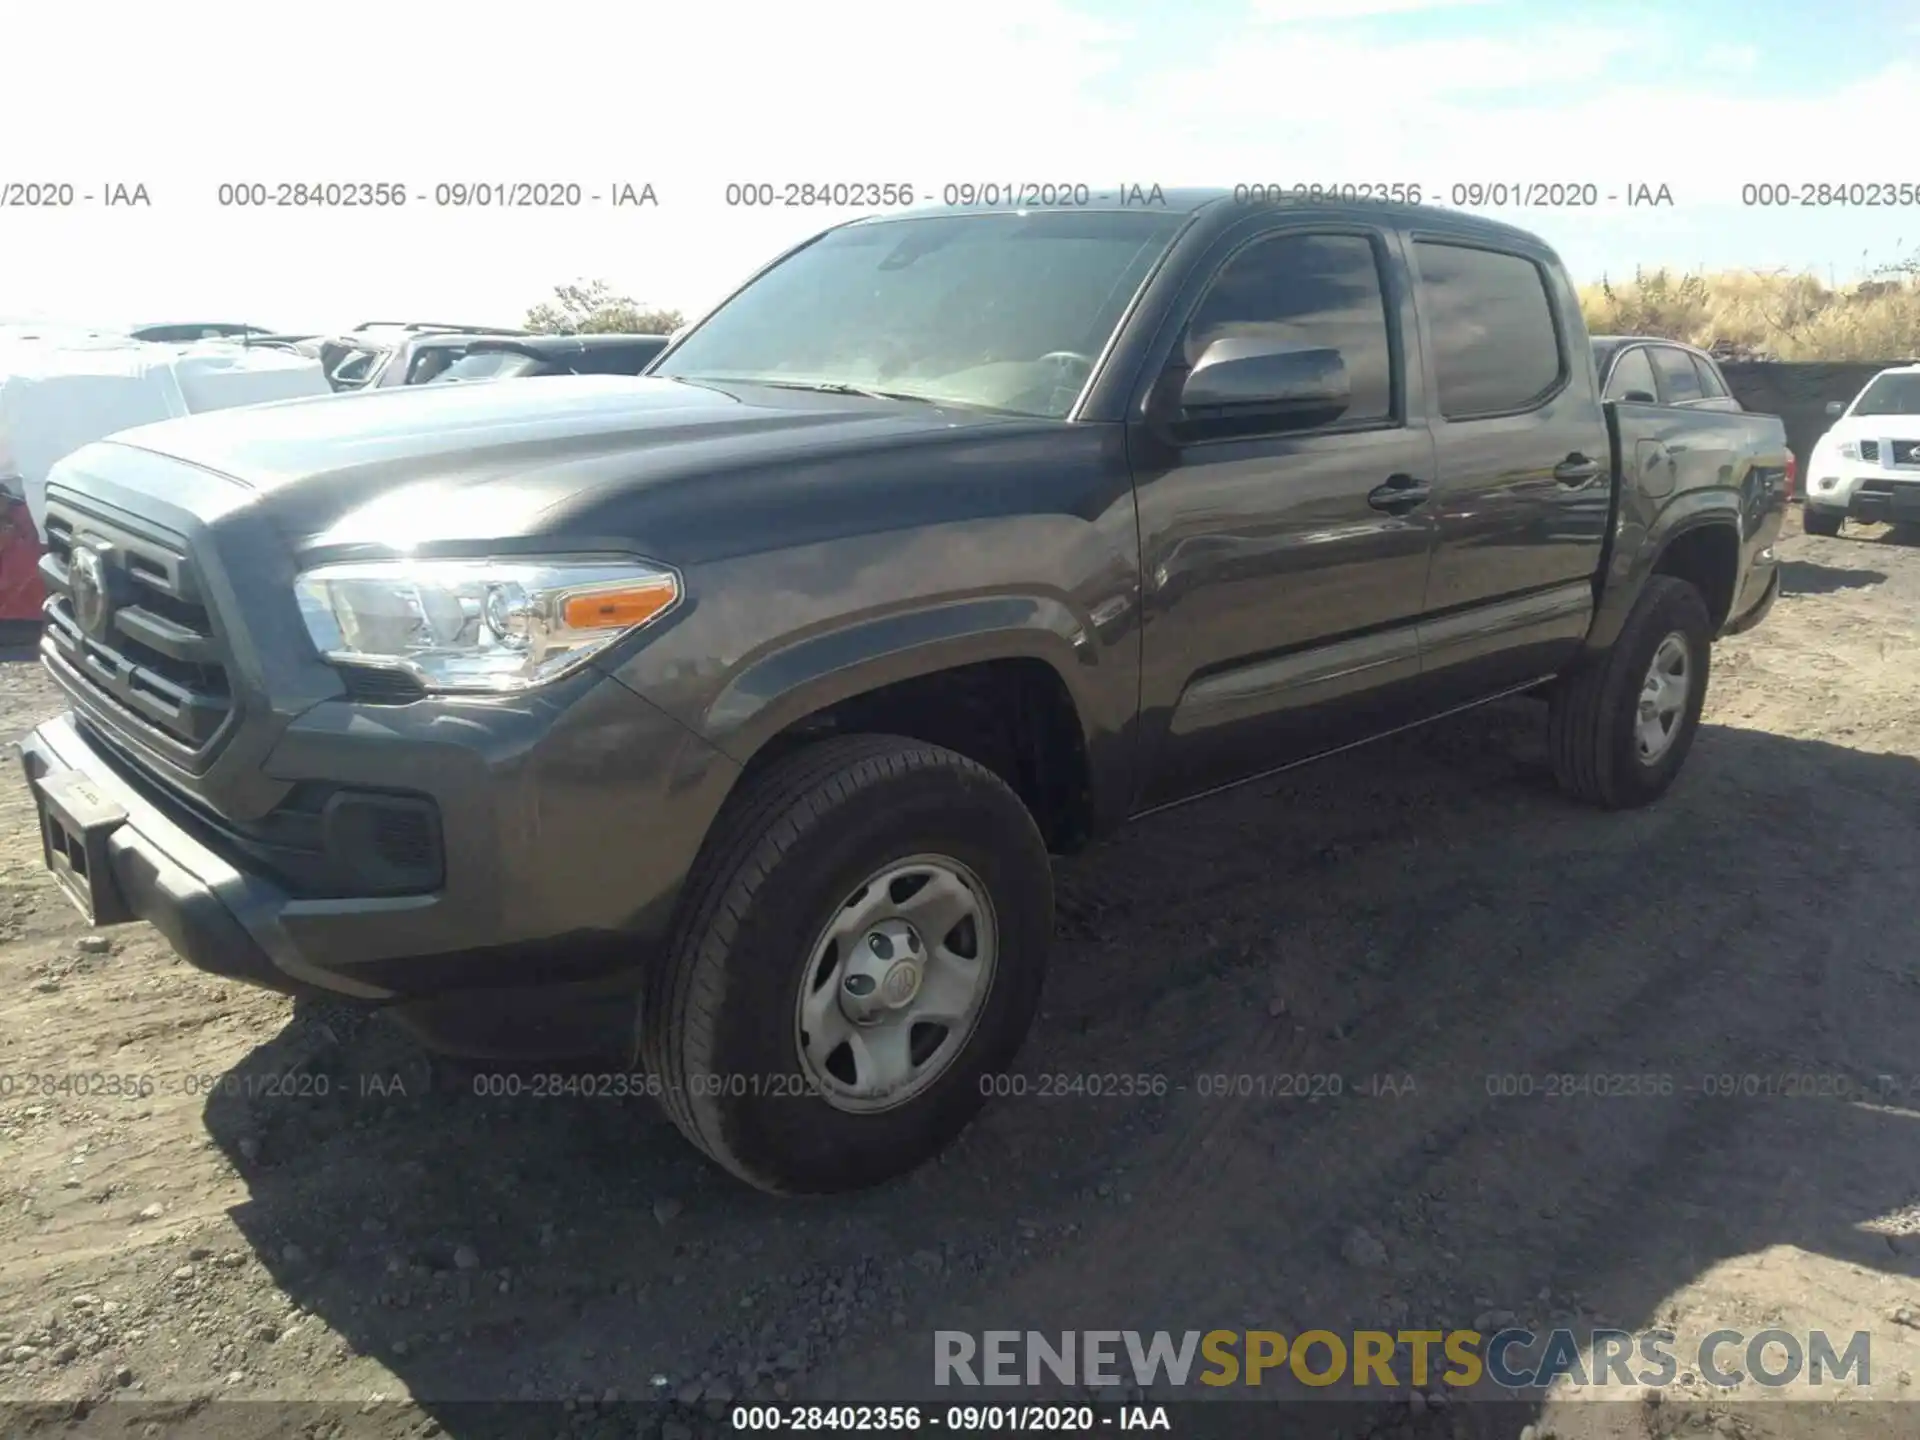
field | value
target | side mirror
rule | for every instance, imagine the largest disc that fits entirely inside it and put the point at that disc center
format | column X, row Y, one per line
column 1638, row 397
column 1296, row 387
column 1834, row 407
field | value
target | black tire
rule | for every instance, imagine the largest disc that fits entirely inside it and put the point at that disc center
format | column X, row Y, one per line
column 717, row 1018
column 1592, row 714
column 1821, row 522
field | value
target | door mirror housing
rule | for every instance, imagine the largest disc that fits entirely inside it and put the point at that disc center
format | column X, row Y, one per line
column 1638, row 397
column 1835, row 408
column 1292, row 387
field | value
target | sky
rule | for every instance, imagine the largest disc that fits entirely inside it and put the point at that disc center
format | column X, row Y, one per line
column 1705, row 98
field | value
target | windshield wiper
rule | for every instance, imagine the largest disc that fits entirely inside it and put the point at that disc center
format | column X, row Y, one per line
column 831, row 387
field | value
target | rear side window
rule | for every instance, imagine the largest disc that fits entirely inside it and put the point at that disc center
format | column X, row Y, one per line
column 1679, row 381
column 1632, row 371
column 1496, row 348
column 1311, row 291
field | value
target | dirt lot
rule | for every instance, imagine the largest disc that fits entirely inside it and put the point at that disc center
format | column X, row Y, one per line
column 1428, row 912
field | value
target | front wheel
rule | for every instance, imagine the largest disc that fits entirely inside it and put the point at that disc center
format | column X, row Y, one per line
column 1821, row 522
column 861, row 953
column 1621, row 726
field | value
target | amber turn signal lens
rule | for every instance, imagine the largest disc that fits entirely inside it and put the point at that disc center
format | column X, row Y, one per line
column 626, row 607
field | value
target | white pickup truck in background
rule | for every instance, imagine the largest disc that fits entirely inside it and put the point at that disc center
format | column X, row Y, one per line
column 1867, row 467
column 65, row 387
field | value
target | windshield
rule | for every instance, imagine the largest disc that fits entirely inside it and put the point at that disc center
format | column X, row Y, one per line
column 488, row 365
column 1890, row 395
column 1007, row 311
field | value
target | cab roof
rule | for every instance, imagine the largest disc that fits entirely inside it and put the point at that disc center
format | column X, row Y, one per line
column 1218, row 205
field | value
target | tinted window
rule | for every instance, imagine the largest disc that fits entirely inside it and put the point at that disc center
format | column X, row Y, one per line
column 616, row 359
column 1680, row 382
column 1710, row 384
column 1632, row 371
column 489, row 365
column 1308, row 291
column 1495, row 345
column 430, row 362
column 358, row 367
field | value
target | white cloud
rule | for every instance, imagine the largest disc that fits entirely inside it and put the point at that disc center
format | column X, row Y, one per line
column 691, row 97
column 1288, row 12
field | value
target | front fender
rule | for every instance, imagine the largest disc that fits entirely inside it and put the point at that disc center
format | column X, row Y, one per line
column 789, row 683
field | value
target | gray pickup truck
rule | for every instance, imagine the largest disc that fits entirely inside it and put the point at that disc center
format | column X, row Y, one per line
column 744, row 701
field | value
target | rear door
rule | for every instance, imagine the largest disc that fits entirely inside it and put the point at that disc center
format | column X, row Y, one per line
column 1283, row 588
column 1524, row 467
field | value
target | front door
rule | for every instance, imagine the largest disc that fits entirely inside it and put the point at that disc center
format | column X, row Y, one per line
column 1283, row 587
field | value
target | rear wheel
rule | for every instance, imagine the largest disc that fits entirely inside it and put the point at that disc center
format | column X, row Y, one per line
column 1821, row 522
column 1621, row 726
column 862, row 950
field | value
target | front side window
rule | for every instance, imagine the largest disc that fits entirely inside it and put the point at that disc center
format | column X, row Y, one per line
column 1496, row 348
column 1004, row 311
column 1311, row 292
column 1632, row 372
column 489, row 365
column 1679, row 381
column 1711, row 385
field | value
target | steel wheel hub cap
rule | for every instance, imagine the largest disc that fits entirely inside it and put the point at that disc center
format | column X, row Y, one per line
column 882, row 973
column 895, row 983
column 1663, row 699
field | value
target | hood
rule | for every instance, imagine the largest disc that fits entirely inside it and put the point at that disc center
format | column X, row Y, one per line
column 1872, row 427
column 492, row 460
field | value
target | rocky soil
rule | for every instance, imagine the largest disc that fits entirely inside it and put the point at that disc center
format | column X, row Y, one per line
column 205, row 1201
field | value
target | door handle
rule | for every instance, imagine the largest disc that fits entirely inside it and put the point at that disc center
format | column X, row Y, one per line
column 1400, row 494
column 1577, row 471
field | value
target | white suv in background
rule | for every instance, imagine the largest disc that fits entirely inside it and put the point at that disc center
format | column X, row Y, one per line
column 1868, row 465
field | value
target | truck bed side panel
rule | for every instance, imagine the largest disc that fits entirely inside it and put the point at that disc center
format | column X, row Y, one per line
column 1682, row 468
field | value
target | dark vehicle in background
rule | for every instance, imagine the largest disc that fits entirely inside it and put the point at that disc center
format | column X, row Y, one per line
column 381, row 354
column 492, row 359
column 184, row 334
column 739, row 706
column 1644, row 370
column 1867, row 466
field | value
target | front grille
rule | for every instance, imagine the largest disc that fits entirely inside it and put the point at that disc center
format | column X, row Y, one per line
column 1906, row 452
column 134, row 628
column 1870, row 450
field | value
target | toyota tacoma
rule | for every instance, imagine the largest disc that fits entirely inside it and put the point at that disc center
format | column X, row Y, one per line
column 745, row 700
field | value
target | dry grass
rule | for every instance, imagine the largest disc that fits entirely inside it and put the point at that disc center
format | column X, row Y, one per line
column 1760, row 316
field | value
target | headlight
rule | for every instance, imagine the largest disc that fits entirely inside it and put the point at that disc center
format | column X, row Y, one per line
column 479, row 625
column 1848, row 450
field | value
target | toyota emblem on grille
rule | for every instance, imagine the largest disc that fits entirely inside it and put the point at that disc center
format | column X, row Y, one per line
column 87, row 587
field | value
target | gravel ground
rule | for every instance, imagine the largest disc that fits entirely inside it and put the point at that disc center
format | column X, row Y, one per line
column 273, row 1210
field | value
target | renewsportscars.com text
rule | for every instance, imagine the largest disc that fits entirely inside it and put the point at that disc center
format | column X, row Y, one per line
column 1514, row 1359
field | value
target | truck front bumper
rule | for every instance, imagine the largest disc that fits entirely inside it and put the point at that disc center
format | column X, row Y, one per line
column 564, row 848
column 1870, row 499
